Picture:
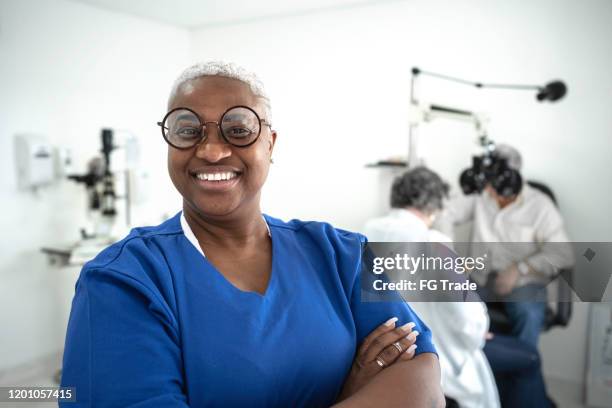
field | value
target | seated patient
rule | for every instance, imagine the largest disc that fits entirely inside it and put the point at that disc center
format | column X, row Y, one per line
column 518, row 274
column 222, row 305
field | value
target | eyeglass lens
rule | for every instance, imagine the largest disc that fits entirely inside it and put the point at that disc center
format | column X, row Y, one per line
column 239, row 126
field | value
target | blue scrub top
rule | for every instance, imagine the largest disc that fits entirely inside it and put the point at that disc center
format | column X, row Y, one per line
column 154, row 324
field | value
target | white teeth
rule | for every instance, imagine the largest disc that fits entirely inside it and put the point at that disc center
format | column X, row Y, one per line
column 216, row 176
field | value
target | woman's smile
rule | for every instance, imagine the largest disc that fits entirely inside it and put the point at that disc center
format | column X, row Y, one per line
column 215, row 178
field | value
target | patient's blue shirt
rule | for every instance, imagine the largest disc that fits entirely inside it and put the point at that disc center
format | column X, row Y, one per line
column 154, row 324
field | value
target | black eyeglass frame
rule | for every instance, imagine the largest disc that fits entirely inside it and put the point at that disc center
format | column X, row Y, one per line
column 203, row 125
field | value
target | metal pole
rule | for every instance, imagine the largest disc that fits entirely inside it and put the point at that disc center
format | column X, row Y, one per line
column 413, row 157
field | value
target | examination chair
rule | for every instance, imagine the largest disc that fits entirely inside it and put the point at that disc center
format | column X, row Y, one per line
column 558, row 313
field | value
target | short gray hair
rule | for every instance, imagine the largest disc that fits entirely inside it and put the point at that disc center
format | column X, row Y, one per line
column 226, row 70
column 512, row 156
column 419, row 188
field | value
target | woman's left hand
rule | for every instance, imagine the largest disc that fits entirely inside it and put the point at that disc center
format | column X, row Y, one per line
column 383, row 347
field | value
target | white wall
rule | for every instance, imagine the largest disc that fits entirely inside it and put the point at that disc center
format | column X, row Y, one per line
column 67, row 71
column 339, row 83
column 325, row 70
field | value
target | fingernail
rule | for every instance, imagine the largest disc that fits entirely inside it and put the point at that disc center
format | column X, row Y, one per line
column 408, row 326
column 411, row 348
column 413, row 335
column 391, row 322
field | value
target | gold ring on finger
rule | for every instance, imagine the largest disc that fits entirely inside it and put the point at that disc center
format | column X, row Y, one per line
column 398, row 346
column 380, row 362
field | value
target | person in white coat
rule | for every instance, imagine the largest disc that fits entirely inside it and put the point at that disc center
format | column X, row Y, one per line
column 459, row 329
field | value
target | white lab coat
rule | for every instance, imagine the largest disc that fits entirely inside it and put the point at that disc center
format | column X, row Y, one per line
column 459, row 335
column 458, row 328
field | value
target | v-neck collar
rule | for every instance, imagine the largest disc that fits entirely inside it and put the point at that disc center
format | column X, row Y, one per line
column 270, row 289
column 194, row 241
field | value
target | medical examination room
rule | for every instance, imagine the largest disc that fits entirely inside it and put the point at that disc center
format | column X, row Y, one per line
column 306, row 203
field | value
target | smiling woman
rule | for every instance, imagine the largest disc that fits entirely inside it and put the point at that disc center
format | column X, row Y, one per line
column 224, row 306
column 211, row 147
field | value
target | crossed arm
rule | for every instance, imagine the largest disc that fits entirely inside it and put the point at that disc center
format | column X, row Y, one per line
column 386, row 372
column 414, row 383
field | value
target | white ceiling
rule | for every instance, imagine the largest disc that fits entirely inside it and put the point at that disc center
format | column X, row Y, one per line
column 197, row 13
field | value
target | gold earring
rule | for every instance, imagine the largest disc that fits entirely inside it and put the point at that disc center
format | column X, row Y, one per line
column 271, row 160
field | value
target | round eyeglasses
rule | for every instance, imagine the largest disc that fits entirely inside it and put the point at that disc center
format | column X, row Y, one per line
column 183, row 129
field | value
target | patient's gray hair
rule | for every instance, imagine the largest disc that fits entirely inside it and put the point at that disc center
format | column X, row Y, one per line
column 419, row 188
column 227, row 70
column 512, row 156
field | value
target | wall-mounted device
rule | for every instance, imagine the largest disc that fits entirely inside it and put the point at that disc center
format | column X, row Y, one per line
column 489, row 168
column 552, row 91
column 35, row 161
